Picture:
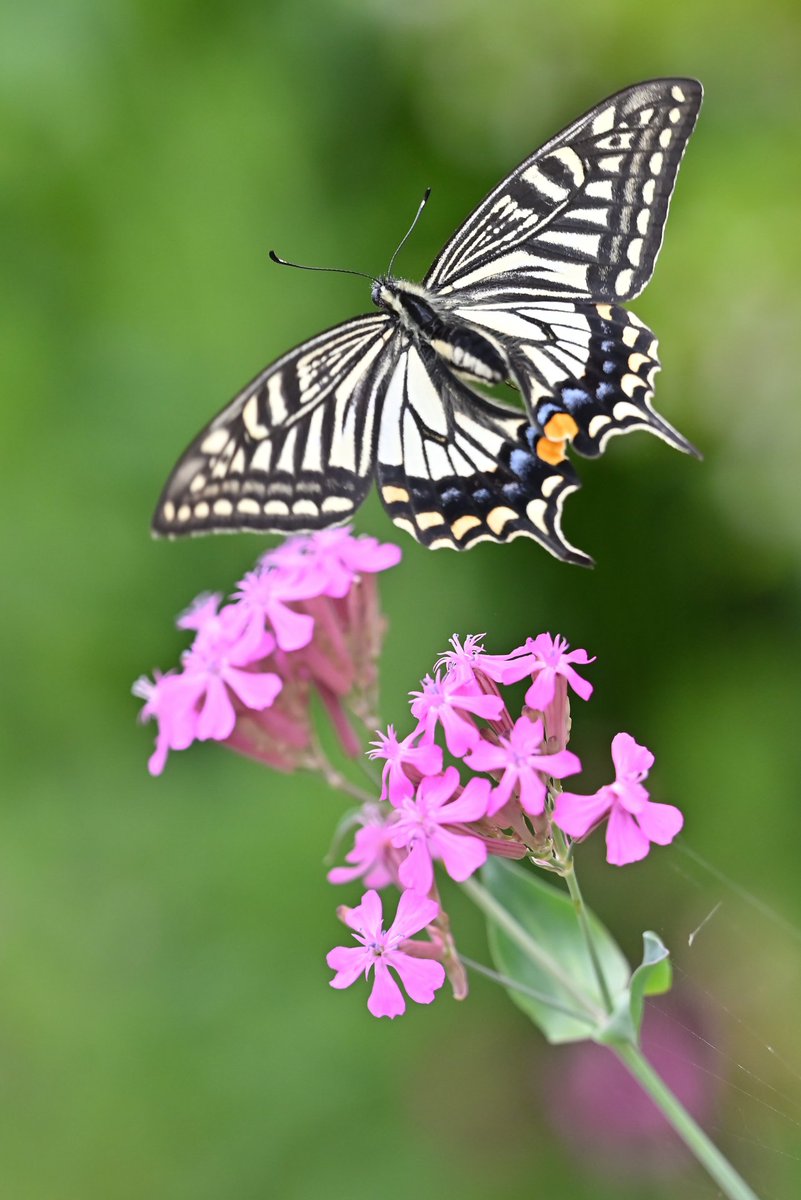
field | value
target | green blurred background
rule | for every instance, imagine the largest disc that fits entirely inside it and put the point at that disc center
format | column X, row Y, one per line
column 166, row 1028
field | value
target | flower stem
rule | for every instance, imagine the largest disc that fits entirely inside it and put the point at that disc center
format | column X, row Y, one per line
column 571, row 879
column 731, row 1184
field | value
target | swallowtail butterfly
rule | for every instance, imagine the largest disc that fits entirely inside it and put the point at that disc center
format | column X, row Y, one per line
column 528, row 292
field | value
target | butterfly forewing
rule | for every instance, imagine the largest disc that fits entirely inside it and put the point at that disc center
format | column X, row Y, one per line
column 294, row 450
column 455, row 468
column 585, row 214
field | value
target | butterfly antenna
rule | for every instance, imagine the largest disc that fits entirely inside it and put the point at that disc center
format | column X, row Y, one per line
column 408, row 233
column 284, row 262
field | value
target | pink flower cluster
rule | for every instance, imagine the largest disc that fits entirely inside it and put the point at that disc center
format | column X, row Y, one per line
column 429, row 812
column 306, row 617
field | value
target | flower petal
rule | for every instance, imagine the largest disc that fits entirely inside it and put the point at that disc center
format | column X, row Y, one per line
column 386, row 998
column 415, row 911
column 472, row 805
column 217, row 717
column 367, row 917
column 630, row 759
column 292, row 630
column 576, row 815
column 625, row 841
column 541, row 692
column 255, row 690
column 582, row 687
column 349, row 962
column 532, row 793
column 560, row 765
column 485, row 756
column 416, row 872
column 660, row 822
column 420, row 976
column 461, row 853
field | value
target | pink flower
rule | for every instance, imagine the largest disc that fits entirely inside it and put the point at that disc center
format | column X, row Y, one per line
column 380, row 951
column 444, row 702
column 265, row 594
column 172, row 704
column 203, row 699
column 466, row 661
column 337, row 556
column 634, row 820
column 372, row 855
column 426, row 823
column 325, row 635
column 213, row 672
column 545, row 658
column 405, row 763
column 461, row 662
column 523, row 765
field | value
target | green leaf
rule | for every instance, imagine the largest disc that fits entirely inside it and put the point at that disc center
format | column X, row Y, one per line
column 653, row 977
column 569, row 1009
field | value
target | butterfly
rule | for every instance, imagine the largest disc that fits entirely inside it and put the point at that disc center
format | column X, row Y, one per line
column 528, row 292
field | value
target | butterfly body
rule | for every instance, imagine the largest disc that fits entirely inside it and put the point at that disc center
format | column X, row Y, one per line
column 468, row 351
column 528, row 292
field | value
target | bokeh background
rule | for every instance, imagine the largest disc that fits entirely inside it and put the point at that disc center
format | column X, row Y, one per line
column 166, row 1028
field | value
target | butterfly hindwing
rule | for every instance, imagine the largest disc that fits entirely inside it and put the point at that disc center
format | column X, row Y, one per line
column 595, row 362
column 454, row 468
column 585, row 214
column 294, row 450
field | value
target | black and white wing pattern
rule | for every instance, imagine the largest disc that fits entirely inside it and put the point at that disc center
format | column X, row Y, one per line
column 455, row 469
column 294, row 450
column 585, row 214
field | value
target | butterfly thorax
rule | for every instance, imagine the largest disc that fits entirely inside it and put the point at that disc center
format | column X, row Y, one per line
column 466, row 350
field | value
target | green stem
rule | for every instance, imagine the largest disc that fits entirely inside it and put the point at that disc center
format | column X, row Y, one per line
column 707, row 1154
column 580, row 908
column 504, row 920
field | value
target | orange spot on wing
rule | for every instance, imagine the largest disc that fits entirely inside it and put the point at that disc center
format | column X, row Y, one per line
column 551, row 452
column 560, row 428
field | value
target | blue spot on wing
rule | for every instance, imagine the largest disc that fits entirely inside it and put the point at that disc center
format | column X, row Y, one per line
column 575, row 397
column 520, row 461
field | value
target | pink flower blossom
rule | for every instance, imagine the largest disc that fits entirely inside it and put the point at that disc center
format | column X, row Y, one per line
column 265, row 594
column 461, row 661
column 545, row 658
column 325, row 634
column 634, row 820
column 337, row 556
column 519, row 756
column 425, row 824
column 405, row 763
column 372, row 856
column 445, row 702
column 213, row 671
column 172, row 705
column 380, row 951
